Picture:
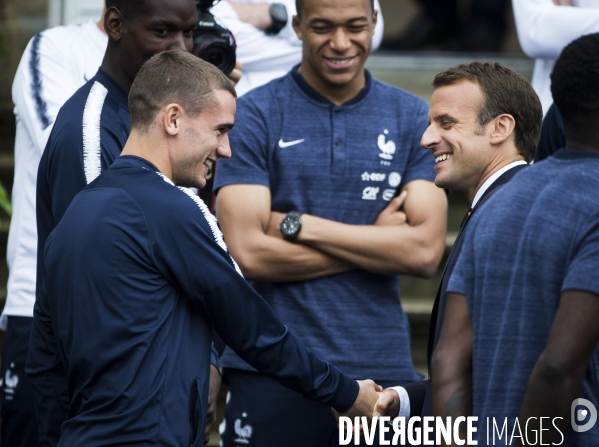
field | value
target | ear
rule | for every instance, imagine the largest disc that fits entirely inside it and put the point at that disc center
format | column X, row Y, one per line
column 295, row 23
column 375, row 17
column 171, row 119
column 502, row 128
column 113, row 24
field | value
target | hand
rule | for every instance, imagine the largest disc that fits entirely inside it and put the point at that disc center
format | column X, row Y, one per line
column 387, row 404
column 256, row 14
column 212, row 398
column 235, row 75
column 562, row 2
column 274, row 224
column 391, row 215
column 367, row 397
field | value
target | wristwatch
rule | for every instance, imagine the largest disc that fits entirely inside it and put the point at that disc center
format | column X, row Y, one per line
column 290, row 226
column 278, row 14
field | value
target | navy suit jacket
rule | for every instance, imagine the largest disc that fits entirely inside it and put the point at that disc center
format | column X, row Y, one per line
column 420, row 392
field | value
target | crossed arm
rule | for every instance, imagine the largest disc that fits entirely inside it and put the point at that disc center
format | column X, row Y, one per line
column 399, row 242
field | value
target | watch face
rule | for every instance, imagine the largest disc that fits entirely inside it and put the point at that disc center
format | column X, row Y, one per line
column 290, row 225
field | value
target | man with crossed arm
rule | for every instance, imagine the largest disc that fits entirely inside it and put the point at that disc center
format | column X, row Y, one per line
column 308, row 210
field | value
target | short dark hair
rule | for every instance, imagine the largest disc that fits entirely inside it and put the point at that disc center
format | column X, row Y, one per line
column 575, row 79
column 299, row 5
column 504, row 91
column 174, row 77
column 127, row 7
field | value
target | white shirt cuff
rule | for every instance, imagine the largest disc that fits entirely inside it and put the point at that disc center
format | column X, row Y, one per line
column 404, row 401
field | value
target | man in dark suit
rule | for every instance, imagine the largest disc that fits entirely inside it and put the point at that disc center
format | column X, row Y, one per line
column 484, row 126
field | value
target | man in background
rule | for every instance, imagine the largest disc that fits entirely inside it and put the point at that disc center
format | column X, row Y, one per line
column 267, row 45
column 54, row 65
column 325, row 157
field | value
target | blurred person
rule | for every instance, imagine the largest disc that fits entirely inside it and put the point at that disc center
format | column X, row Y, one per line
column 327, row 199
column 545, row 27
column 441, row 24
column 484, row 127
column 130, row 310
column 267, row 45
column 56, row 62
column 520, row 333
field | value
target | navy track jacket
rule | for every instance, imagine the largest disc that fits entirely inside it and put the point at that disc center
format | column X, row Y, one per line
column 136, row 276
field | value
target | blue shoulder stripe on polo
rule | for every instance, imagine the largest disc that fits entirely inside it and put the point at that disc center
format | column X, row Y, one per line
column 36, row 83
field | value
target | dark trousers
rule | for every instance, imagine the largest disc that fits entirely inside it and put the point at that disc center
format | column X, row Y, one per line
column 262, row 413
column 19, row 426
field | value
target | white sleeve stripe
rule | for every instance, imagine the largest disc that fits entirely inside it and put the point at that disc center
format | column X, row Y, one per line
column 212, row 222
column 92, row 151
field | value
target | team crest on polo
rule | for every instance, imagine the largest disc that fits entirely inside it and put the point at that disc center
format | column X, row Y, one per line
column 387, row 148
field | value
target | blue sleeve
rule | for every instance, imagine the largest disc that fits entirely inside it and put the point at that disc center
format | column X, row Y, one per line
column 188, row 255
column 582, row 267
column 553, row 135
column 249, row 142
column 421, row 164
column 46, row 373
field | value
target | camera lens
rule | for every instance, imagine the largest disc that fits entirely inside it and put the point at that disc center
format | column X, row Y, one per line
column 217, row 51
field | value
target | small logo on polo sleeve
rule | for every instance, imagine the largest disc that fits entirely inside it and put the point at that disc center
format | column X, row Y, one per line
column 370, row 193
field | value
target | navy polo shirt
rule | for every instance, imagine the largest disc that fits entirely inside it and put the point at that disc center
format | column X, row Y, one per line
column 513, row 268
column 131, row 312
column 342, row 163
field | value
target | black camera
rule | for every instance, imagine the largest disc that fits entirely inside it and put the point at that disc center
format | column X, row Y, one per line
column 212, row 42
